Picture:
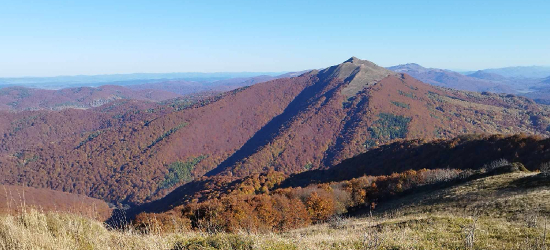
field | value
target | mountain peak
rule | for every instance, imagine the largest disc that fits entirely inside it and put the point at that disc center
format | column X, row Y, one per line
column 407, row 67
column 481, row 74
column 357, row 73
column 355, row 60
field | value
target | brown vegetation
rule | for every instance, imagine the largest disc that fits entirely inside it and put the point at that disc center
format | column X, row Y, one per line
column 16, row 199
column 134, row 152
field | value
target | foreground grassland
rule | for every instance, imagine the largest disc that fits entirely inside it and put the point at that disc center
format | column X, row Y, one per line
column 507, row 211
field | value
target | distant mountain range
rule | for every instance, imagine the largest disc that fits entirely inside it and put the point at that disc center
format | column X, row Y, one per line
column 519, row 72
column 59, row 82
column 524, row 81
column 451, row 79
column 22, row 98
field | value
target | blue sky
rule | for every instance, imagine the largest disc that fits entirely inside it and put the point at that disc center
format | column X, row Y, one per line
column 48, row 38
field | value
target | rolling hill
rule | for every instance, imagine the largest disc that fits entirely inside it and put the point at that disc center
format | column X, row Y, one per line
column 134, row 152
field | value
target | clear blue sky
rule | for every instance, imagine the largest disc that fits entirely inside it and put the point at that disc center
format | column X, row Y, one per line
column 47, row 38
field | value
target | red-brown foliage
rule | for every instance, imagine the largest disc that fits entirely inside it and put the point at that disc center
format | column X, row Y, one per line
column 125, row 151
column 290, row 208
column 14, row 199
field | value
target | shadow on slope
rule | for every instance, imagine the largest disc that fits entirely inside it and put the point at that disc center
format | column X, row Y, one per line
column 272, row 129
column 463, row 152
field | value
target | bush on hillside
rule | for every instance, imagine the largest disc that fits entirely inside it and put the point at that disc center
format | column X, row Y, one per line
column 545, row 168
column 495, row 164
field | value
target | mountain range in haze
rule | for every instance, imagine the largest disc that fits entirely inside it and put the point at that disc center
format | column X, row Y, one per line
column 524, row 81
column 519, row 71
column 58, row 82
column 16, row 98
column 16, row 95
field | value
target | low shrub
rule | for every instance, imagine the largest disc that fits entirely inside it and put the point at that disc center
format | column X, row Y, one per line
column 495, row 164
column 217, row 241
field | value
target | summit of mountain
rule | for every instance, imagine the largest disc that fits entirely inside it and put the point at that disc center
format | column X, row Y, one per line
column 404, row 68
column 357, row 73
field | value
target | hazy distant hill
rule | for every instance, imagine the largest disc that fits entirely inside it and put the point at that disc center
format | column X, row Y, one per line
column 189, row 87
column 480, row 74
column 134, row 151
column 486, row 80
column 521, row 71
column 450, row 79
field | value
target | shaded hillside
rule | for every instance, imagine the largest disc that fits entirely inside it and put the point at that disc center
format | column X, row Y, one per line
column 264, row 198
column 479, row 81
column 291, row 125
column 404, row 161
column 463, row 152
column 21, row 98
column 14, row 199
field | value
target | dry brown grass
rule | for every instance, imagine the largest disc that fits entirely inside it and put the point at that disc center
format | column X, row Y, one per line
column 35, row 230
column 510, row 211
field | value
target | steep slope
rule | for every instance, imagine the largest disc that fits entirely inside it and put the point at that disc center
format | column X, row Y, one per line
column 21, row 98
column 454, row 80
column 313, row 121
column 330, row 126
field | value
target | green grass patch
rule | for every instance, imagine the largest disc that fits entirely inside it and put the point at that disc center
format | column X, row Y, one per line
column 166, row 134
column 408, row 94
column 89, row 138
column 401, row 105
column 390, row 126
column 180, row 172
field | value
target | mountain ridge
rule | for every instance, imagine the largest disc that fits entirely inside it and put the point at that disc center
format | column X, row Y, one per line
column 131, row 152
